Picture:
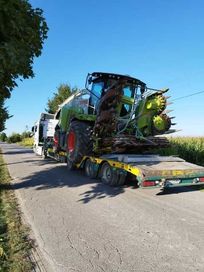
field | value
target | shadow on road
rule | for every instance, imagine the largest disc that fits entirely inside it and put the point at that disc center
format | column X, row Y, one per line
column 13, row 150
column 53, row 177
column 60, row 177
column 36, row 161
column 179, row 190
column 99, row 191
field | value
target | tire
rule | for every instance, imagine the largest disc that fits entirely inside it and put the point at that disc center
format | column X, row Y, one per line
column 44, row 154
column 34, row 149
column 90, row 170
column 121, row 178
column 79, row 143
column 111, row 176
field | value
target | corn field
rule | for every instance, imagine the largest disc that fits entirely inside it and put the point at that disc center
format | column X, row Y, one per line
column 190, row 149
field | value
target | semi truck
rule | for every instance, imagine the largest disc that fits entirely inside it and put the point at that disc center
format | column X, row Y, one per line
column 112, row 128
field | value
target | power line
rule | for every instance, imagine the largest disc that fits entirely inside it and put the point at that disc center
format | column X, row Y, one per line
column 187, row 96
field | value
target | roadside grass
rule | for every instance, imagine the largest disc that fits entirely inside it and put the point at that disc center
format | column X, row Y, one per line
column 190, row 149
column 27, row 142
column 15, row 246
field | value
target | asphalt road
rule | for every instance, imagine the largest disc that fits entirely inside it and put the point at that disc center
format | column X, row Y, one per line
column 82, row 225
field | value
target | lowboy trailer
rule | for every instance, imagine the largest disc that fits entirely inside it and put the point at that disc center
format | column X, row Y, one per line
column 143, row 170
column 146, row 170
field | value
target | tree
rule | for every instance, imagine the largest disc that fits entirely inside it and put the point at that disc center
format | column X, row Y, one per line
column 4, row 115
column 3, row 137
column 63, row 92
column 22, row 33
column 25, row 134
column 14, row 138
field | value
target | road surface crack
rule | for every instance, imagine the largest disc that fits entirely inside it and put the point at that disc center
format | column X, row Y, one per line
column 79, row 252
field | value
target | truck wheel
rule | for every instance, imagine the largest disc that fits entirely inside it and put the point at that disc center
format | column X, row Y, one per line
column 111, row 176
column 79, row 143
column 34, row 149
column 44, row 154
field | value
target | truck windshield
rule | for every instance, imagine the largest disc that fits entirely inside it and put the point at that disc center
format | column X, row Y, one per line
column 96, row 92
column 132, row 91
column 97, row 88
column 127, row 90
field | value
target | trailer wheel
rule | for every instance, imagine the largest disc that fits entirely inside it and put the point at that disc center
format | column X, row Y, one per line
column 79, row 143
column 111, row 176
column 121, row 178
column 89, row 169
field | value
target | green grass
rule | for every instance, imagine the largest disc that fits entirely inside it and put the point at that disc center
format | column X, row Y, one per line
column 15, row 245
column 189, row 148
column 27, row 142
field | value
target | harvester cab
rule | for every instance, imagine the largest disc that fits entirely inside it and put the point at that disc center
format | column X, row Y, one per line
column 99, row 84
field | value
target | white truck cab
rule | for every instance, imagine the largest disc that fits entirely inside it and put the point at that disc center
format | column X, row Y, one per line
column 43, row 129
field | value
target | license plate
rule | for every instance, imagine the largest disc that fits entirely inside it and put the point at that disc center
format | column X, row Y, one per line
column 173, row 181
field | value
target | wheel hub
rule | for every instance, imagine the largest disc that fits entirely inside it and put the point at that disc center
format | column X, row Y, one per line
column 71, row 141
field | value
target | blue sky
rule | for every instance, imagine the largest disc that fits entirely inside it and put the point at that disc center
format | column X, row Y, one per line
column 160, row 42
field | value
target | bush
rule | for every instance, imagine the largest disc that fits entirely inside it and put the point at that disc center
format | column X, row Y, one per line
column 3, row 137
column 28, row 142
column 26, row 134
column 23, row 139
column 14, row 138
